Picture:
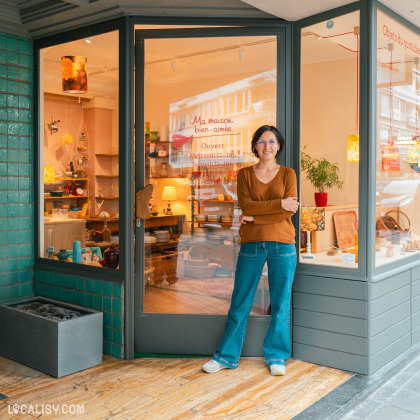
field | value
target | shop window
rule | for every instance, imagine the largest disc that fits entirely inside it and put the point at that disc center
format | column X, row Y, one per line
column 199, row 124
column 398, row 152
column 79, row 151
column 329, row 140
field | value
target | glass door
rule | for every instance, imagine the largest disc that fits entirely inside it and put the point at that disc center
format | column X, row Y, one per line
column 200, row 95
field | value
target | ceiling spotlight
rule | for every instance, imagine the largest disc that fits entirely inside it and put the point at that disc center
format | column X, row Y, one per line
column 89, row 40
column 174, row 66
column 241, row 53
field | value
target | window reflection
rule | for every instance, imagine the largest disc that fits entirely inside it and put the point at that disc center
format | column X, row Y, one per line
column 199, row 123
column 330, row 142
column 79, row 116
column 398, row 141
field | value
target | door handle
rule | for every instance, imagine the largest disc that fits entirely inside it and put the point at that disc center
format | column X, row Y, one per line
column 142, row 202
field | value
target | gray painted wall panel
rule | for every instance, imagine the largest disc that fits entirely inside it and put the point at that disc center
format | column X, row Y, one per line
column 331, row 358
column 386, row 320
column 415, row 274
column 385, row 356
column 415, row 320
column 350, row 289
column 389, row 301
column 329, row 340
column 332, row 305
column 381, row 288
column 329, row 322
column 387, row 337
column 415, row 336
column 415, row 288
column 415, row 304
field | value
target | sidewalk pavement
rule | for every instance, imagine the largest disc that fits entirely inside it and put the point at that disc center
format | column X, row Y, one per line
column 390, row 394
column 398, row 398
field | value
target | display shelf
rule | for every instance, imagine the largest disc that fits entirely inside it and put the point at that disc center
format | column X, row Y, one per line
column 107, row 154
column 107, row 198
column 71, row 179
column 214, row 223
column 65, row 197
column 107, row 176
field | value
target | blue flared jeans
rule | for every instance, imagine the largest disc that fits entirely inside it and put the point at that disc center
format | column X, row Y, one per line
column 281, row 262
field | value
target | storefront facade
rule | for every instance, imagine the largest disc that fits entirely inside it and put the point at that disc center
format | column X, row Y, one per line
column 173, row 103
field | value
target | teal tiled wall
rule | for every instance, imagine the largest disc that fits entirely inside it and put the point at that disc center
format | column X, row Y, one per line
column 16, row 170
column 100, row 295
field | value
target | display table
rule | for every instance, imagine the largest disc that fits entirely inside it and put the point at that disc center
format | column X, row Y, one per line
column 65, row 232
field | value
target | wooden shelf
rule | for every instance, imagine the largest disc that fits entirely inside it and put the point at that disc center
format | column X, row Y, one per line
column 65, row 197
column 107, row 176
column 71, row 179
column 158, row 142
column 107, row 198
column 214, row 223
column 107, row 154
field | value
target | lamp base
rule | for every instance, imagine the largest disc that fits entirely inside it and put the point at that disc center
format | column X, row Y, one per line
column 168, row 210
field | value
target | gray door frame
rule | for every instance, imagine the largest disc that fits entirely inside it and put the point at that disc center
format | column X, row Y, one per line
column 189, row 333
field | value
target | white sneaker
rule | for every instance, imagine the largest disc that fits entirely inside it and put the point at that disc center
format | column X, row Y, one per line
column 212, row 366
column 278, row 370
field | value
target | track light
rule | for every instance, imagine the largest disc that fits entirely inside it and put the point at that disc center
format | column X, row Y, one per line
column 174, row 66
column 241, row 53
column 89, row 40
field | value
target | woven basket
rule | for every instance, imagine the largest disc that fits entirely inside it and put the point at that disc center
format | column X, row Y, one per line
column 387, row 225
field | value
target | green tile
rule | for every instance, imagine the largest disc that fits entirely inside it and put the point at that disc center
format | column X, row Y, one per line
column 3, row 70
column 89, row 285
column 107, row 319
column 4, row 249
column 14, row 291
column 72, row 296
column 26, row 236
column 107, row 348
column 117, row 306
column 3, row 42
column 4, row 293
column 97, row 302
column 12, row 57
column 116, row 351
column 3, row 168
column 24, row 60
column 26, row 250
column 12, row 86
column 24, row 74
column 107, row 333
column 89, row 300
column 117, row 321
column 81, row 298
column 118, row 339
column 13, row 237
column 14, row 100
column 26, row 223
column 98, row 287
column 14, row 251
column 13, row 264
column 24, row 46
column 25, row 276
column 13, row 141
column 26, row 289
column 12, row 44
column 13, row 168
column 3, row 88
column 71, row 282
column 117, row 290
column 3, row 56
column 107, row 286
column 80, row 283
column 26, row 263
column 12, row 155
column 107, row 303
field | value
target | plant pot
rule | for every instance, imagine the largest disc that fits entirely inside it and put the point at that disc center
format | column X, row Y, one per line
column 62, row 254
column 321, row 199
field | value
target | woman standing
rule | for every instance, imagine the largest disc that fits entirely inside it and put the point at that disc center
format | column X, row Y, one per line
column 267, row 196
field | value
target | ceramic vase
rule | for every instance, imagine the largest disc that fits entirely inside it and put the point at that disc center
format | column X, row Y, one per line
column 321, row 199
column 111, row 257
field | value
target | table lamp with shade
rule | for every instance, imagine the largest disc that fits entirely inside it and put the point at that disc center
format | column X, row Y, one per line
column 312, row 219
column 169, row 194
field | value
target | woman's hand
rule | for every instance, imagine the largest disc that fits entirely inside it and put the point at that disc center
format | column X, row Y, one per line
column 290, row 204
column 245, row 219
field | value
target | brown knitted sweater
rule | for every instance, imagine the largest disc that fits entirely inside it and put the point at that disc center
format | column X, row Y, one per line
column 263, row 202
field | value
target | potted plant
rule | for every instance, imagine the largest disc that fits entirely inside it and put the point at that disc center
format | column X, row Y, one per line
column 321, row 174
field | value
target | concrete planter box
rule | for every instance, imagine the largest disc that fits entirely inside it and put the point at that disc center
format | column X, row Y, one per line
column 55, row 347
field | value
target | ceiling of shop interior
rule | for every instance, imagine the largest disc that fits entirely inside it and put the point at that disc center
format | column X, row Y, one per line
column 38, row 18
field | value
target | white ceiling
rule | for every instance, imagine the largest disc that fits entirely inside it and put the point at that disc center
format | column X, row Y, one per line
column 299, row 9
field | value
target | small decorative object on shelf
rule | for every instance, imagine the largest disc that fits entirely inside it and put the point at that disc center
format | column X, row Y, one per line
column 62, row 255
column 111, row 257
column 77, row 252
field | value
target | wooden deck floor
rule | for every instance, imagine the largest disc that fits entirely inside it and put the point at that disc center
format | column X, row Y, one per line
column 166, row 389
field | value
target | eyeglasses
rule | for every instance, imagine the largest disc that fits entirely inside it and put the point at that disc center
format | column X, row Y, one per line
column 263, row 143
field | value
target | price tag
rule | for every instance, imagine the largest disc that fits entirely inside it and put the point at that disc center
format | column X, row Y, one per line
column 348, row 258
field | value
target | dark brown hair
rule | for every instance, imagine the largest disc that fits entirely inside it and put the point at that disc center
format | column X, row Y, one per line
column 260, row 131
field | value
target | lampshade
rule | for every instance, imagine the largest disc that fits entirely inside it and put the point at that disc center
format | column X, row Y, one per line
column 312, row 219
column 74, row 74
column 49, row 175
column 169, row 193
column 352, row 148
